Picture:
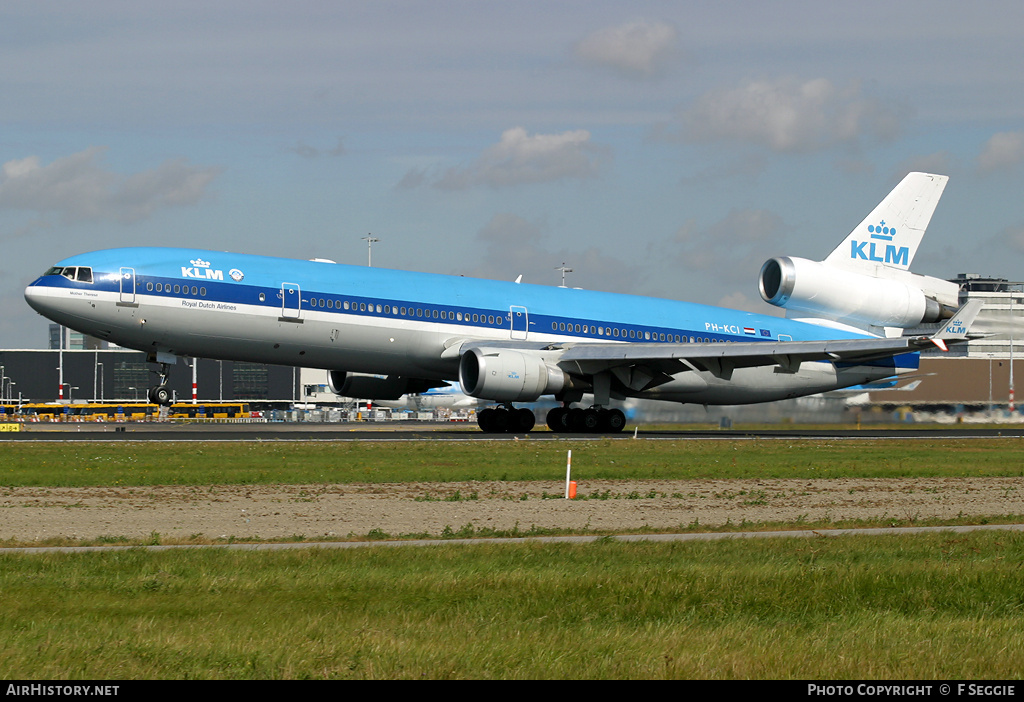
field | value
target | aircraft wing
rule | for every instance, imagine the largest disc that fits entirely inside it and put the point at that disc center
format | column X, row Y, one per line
column 588, row 358
column 673, row 358
column 721, row 359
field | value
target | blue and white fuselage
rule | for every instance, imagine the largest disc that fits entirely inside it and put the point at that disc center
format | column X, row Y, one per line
column 370, row 320
column 384, row 333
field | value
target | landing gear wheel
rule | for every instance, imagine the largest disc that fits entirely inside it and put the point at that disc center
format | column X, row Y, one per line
column 612, row 421
column 574, row 420
column 522, row 420
column 500, row 420
column 590, row 421
column 160, row 395
column 485, row 418
column 556, row 419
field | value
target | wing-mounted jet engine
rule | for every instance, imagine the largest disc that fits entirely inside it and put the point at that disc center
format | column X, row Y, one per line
column 865, row 283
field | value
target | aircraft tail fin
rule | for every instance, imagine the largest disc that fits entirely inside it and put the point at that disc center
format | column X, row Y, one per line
column 890, row 235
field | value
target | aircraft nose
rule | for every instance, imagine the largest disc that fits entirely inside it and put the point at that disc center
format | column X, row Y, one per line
column 31, row 293
column 37, row 298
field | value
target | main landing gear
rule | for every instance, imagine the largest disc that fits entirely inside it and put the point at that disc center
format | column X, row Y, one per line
column 505, row 419
column 509, row 420
column 161, row 394
column 596, row 420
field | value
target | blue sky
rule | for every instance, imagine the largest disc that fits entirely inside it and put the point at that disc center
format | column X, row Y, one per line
column 657, row 148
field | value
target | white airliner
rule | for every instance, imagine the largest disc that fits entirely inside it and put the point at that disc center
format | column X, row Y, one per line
column 381, row 334
column 449, row 397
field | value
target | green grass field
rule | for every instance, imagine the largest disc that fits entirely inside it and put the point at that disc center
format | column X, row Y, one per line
column 916, row 607
column 880, row 608
column 234, row 463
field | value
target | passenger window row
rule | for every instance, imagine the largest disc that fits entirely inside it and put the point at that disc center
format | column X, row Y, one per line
column 456, row 316
column 177, row 289
column 410, row 312
column 635, row 334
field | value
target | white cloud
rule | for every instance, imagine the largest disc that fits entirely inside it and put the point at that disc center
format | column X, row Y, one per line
column 788, row 115
column 1003, row 151
column 638, row 48
column 519, row 159
column 78, row 188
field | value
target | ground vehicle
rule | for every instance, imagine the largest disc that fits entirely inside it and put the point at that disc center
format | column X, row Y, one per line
column 115, row 411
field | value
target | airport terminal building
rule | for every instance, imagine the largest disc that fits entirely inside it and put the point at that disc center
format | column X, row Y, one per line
column 976, row 374
column 106, row 375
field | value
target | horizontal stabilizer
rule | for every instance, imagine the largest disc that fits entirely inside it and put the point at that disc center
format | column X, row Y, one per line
column 958, row 326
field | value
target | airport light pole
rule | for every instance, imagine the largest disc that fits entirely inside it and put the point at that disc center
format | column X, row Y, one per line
column 1011, row 354
column 564, row 271
column 370, row 239
column 990, row 382
column 60, row 363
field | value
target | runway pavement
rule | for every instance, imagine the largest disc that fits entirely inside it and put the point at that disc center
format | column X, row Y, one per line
column 419, row 431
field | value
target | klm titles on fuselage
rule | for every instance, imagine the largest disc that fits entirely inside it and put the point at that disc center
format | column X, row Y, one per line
column 867, row 251
column 201, row 269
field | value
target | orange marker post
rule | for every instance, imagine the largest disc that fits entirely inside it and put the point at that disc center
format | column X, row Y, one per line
column 568, row 471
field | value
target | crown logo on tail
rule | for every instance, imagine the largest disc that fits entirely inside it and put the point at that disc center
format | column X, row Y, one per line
column 881, row 231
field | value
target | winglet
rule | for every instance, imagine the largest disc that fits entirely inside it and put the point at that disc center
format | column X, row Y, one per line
column 958, row 326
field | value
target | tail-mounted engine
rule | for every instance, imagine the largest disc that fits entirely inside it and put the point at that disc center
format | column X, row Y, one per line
column 899, row 299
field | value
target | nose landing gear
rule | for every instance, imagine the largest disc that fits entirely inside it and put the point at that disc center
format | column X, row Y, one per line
column 160, row 394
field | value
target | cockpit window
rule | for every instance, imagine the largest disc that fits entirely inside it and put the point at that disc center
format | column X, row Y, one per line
column 82, row 274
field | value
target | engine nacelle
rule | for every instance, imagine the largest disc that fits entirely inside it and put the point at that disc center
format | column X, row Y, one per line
column 846, row 296
column 508, row 376
column 375, row 387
